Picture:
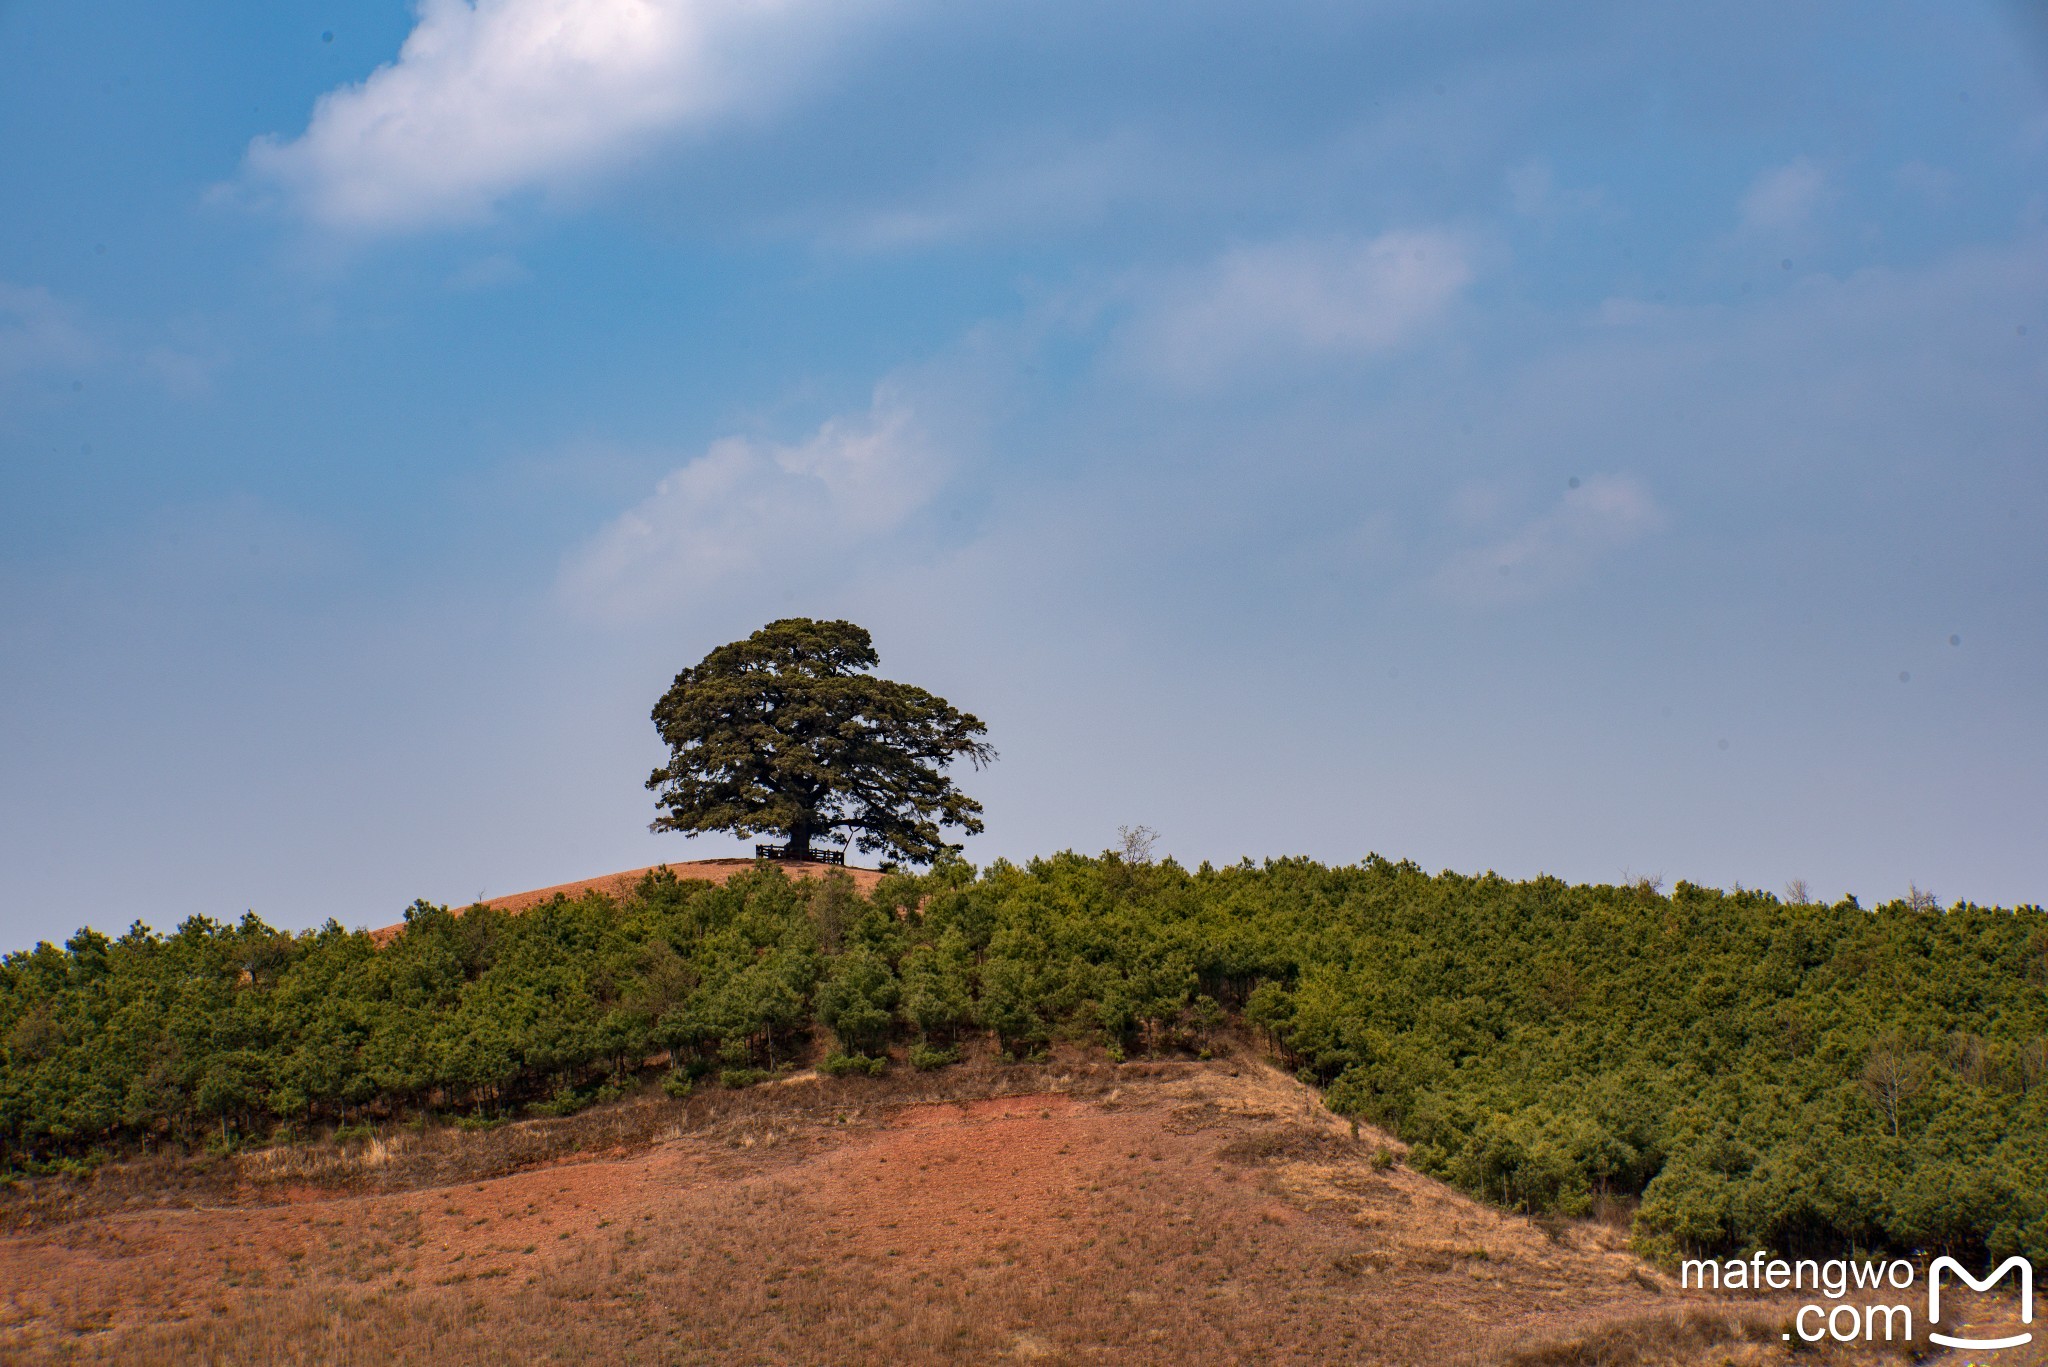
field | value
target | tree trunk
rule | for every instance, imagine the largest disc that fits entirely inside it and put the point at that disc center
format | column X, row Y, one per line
column 799, row 842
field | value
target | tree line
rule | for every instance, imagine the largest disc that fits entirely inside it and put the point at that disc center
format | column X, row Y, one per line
column 1752, row 1072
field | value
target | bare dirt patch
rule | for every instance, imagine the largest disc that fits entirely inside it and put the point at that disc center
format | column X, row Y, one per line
column 1062, row 1213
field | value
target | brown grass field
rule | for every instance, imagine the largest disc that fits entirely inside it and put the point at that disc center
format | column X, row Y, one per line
column 1067, row 1212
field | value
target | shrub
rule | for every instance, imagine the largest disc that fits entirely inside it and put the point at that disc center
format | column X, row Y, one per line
column 836, row 1064
column 926, row 1057
column 565, row 1101
column 858, row 998
column 738, row 1078
column 678, row 1083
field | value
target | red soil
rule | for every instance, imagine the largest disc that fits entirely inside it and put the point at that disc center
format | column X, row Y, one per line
column 1178, row 1214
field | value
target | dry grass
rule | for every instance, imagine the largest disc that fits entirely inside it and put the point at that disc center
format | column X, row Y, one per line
column 1725, row 1335
column 1673, row 1337
column 1170, row 1213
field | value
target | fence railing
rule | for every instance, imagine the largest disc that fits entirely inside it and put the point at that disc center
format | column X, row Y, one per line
column 815, row 856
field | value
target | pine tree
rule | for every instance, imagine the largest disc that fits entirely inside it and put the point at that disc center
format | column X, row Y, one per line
column 787, row 733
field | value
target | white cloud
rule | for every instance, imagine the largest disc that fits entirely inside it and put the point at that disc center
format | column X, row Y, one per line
column 497, row 96
column 1287, row 302
column 1785, row 199
column 747, row 511
column 1557, row 548
column 38, row 331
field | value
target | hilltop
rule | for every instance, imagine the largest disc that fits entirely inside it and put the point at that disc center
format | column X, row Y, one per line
column 620, row 886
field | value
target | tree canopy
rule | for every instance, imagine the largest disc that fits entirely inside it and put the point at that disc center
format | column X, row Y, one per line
column 787, row 733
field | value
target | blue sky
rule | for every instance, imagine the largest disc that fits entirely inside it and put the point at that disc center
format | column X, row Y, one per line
column 1595, row 442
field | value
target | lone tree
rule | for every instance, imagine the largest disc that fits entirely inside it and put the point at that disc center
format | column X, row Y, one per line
column 786, row 732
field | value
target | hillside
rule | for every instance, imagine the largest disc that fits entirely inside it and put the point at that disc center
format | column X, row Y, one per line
column 1064, row 1212
column 620, row 886
column 1701, row 1072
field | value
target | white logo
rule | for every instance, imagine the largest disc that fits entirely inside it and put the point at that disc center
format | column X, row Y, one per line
column 2026, row 1301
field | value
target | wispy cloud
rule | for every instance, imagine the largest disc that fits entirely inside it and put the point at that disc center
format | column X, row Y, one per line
column 1016, row 188
column 1534, row 192
column 1556, row 549
column 182, row 371
column 745, row 510
column 495, row 97
column 1257, row 307
column 38, row 331
column 1786, row 198
column 44, row 336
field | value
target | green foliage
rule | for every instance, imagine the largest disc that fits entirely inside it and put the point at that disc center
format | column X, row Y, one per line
column 785, row 732
column 938, row 989
column 568, row 1100
column 929, row 1057
column 839, row 1065
column 1757, row 1073
column 858, row 998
